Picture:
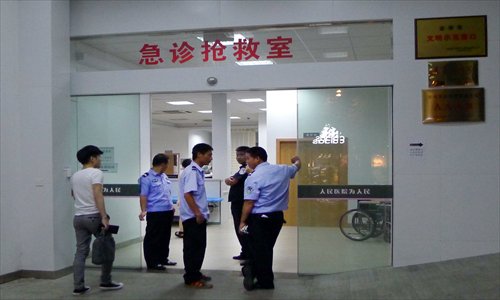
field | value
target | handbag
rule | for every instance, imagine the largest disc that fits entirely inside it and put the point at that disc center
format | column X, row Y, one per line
column 103, row 248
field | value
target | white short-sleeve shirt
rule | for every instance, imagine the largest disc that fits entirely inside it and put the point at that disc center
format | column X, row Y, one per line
column 81, row 184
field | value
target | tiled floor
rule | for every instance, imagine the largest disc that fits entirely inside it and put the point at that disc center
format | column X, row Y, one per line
column 471, row 278
column 322, row 250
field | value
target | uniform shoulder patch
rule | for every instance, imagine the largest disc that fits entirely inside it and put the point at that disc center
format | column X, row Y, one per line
column 145, row 174
column 194, row 168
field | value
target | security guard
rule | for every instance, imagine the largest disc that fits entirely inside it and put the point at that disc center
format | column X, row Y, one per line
column 266, row 197
column 156, row 206
column 237, row 184
column 194, row 214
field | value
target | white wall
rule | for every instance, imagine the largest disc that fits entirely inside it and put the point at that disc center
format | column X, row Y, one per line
column 36, row 136
column 165, row 137
column 281, row 119
column 430, row 194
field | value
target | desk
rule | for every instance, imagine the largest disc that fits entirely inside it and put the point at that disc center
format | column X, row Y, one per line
column 213, row 204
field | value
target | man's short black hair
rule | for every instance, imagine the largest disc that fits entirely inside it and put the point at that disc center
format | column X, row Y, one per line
column 186, row 162
column 201, row 148
column 258, row 152
column 159, row 159
column 242, row 149
column 83, row 155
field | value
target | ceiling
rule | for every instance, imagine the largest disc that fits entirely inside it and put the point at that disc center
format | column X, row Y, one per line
column 188, row 115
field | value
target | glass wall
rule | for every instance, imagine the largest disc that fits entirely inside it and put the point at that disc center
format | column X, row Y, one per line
column 112, row 124
column 345, row 186
column 251, row 46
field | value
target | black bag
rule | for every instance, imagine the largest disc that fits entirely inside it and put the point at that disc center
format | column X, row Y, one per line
column 103, row 248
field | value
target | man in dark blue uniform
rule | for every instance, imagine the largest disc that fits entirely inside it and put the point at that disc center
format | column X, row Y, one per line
column 156, row 206
column 237, row 184
column 266, row 197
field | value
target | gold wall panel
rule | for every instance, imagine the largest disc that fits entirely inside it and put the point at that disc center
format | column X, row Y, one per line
column 453, row 105
column 453, row 73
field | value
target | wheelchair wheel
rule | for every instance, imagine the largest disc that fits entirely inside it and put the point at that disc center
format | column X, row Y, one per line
column 379, row 226
column 387, row 233
column 356, row 225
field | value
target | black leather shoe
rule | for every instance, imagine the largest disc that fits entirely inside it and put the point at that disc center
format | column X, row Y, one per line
column 248, row 283
column 258, row 286
column 158, row 267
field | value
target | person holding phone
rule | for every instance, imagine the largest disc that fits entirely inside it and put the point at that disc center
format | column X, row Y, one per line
column 90, row 217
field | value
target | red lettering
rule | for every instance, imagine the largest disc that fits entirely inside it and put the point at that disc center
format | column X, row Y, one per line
column 245, row 49
column 150, row 55
column 217, row 50
column 279, row 47
column 182, row 53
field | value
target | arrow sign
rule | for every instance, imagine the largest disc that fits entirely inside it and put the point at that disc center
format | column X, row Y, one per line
column 416, row 144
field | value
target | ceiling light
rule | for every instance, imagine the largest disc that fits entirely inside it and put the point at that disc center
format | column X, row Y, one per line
column 335, row 54
column 234, row 118
column 263, row 109
column 205, row 111
column 180, row 102
column 255, row 63
column 333, row 30
column 226, row 41
column 248, row 100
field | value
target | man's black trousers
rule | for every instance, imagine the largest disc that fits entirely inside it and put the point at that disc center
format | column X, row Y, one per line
column 263, row 232
column 195, row 243
column 157, row 238
column 236, row 209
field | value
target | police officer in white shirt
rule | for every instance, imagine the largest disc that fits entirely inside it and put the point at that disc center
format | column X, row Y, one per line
column 266, row 197
column 156, row 205
column 194, row 214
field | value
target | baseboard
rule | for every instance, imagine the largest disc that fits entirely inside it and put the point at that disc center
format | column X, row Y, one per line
column 35, row 274
column 128, row 243
column 54, row 274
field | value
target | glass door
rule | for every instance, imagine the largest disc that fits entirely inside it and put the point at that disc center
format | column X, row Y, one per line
column 345, row 185
column 112, row 124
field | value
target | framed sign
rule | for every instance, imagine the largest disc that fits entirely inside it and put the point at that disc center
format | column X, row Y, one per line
column 452, row 105
column 451, row 37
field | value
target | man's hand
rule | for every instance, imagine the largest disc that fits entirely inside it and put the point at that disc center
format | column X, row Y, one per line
column 243, row 228
column 142, row 215
column 200, row 219
column 105, row 222
column 229, row 181
column 296, row 162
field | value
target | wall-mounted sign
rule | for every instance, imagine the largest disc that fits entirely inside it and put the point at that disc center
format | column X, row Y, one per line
column 329, row 135
column 108, row 164
column 122, row 190
column 453, row 105
column 345, row 191
column 242, row 49
column 451, row 37
column 453, row 73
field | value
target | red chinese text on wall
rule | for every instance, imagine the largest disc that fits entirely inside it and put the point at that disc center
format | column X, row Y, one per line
column 242, row 50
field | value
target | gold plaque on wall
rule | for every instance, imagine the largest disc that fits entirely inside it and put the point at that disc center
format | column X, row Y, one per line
column 453, row 105
column 453, row 73
column 451, row 37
